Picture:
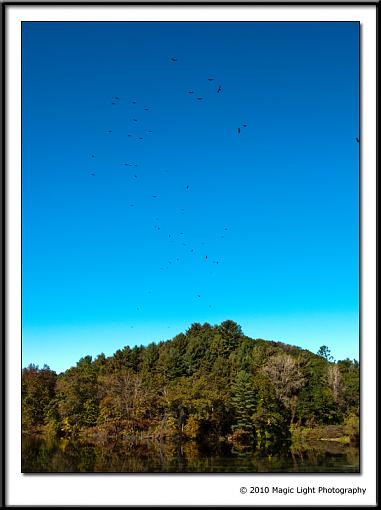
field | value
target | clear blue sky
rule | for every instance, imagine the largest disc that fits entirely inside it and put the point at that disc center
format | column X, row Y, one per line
column 106, row 265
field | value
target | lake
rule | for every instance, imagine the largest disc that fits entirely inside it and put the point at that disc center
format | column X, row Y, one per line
column 66, row 456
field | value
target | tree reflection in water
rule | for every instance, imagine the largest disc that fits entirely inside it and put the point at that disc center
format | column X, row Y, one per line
column 64, row 456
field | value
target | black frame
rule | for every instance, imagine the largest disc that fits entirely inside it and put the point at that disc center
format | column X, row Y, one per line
column 3, row 178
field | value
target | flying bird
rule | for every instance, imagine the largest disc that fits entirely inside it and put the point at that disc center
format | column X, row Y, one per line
column 187, row 186
column 219, row 89
column 210, row 79
column 190, row 92
column 129, row 135
column 133, row 102
column 92, row 174
column 149, row 131
column 116, row 97
column 154, row 196
column 200, row 98
column 135, row 120
column 173, row 59
column 357, row 139
column 146, row 109
column 238, row 130
column 92, row 156
column 244, row 125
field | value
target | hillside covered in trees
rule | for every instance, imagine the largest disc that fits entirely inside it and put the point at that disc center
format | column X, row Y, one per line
column 211, row 383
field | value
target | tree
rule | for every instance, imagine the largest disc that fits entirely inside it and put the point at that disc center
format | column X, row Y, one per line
column 325, row 353
column 244, row 402
column 38, row 389
column 77, row 391
column 335, row 383
column 286, row 378
column 126, row 405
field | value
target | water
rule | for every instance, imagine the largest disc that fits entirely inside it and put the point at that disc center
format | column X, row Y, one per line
column 65, row 456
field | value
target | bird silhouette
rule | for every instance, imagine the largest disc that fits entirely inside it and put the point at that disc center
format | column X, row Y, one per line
column 357, row 139
column 149, row 131
column 146, row 109
column 135, row 120
column 187, row 186
column 92, row 156
column 113, row 103
column 219, row 89
column 173, row 59
column 238, row 130
column 244, row 125
column 210, row 79
column 190, row 92
column 129, row 135
column 109, row 131
column 154, row 196
column 133, row 102
column 92, row 174
column 200, row 98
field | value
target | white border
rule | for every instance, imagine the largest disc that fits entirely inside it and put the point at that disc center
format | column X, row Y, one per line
column 208, row 489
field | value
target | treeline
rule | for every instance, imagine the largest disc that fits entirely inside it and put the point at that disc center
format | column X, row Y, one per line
column 210, row 383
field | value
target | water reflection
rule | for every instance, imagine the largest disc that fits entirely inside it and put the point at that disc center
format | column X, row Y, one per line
column 65, row 456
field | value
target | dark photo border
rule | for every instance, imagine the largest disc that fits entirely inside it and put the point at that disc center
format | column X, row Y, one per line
column 4, row 6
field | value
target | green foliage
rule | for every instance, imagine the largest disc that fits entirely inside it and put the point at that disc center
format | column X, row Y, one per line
column 244, row 402
column 208, row 383
column 325, row 353
column 37, row 391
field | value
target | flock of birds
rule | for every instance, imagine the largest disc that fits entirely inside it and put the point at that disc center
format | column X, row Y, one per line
column 115, row 101
column 138, row 137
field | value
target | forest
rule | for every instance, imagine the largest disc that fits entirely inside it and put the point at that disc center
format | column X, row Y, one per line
column 210, row 384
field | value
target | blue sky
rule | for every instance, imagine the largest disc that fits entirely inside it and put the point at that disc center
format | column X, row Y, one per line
column 187, row 220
